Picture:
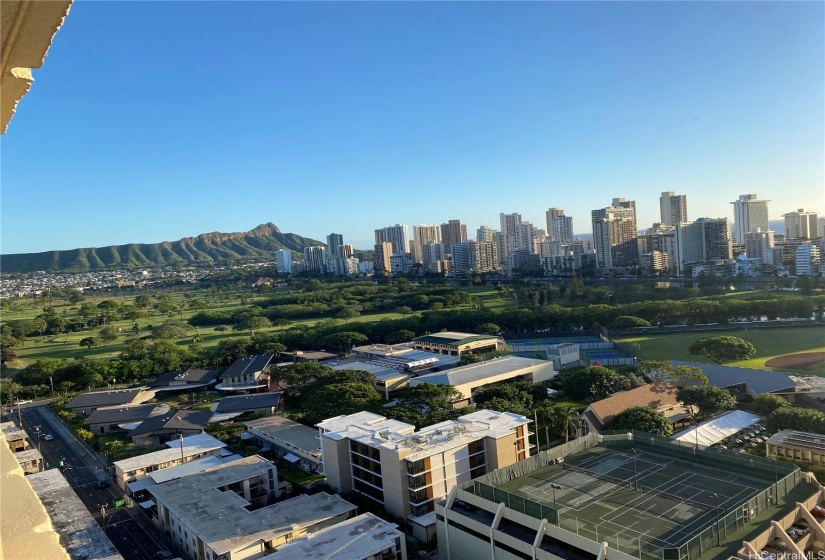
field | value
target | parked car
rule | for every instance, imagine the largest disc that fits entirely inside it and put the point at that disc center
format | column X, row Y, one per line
column 818, row 512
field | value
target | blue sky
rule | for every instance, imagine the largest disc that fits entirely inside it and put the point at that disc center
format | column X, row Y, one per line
column 153, row 121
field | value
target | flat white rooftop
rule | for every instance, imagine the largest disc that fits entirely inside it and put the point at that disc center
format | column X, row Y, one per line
column 192, row 445
column 221, row 519
column 361, row 537
column 482, row 371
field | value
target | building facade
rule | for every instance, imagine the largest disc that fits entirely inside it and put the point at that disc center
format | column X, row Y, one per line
column 749, row 213
column 673, row 208
column 315, row 258
column 800, row 225
column 614, row 235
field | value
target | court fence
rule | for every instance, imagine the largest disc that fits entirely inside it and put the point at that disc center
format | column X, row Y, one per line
column 639, row 545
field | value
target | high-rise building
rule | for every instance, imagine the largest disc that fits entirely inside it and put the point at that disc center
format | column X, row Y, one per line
column 381, row 260
column 509, row 225
column 347, row 251
column 334, row 243
column 396, row 235
column 673, row 208
column 433, row 257
column 800, row 225
column 614, row 235
column 485, row 233
column 758, row 242
column 422, row 235
column 807, row 259
column 460, row 257
column 315, row 257
column 524, row 237
column 749, row 213
column 283, row 261
column 559, row 226
column 483, row 256
column 452, row 233
column 705, row 241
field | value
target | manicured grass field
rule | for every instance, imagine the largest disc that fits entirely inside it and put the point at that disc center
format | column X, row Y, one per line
column 769, row 343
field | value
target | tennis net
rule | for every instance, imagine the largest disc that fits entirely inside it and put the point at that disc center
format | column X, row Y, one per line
column 619, row 481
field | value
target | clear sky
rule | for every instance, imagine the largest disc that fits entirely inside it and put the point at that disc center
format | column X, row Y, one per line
column 151, row 121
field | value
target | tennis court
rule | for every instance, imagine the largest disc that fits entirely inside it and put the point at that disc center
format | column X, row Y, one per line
column 603, row 355
column 637, row 501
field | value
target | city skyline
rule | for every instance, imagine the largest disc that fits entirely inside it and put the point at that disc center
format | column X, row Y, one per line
column 352, row 117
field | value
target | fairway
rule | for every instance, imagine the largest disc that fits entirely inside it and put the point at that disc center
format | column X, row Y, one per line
column 769, row 344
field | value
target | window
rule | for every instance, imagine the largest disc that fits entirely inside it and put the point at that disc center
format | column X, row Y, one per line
column 416, row 467
column 422, row 509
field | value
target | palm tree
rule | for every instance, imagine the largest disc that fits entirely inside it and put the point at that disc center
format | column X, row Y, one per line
column 545, row 414
column 566, row 420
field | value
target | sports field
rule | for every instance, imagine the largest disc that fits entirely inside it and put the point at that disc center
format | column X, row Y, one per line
column 644, row 505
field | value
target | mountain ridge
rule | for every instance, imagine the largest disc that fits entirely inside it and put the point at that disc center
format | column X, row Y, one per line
column 214, row 247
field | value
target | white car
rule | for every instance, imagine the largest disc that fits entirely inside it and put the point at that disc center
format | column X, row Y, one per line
column 48, row 437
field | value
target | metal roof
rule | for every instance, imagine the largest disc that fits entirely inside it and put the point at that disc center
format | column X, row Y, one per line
column 760, row 380
column 250, row 364
column 107, row 398
column 247, row 402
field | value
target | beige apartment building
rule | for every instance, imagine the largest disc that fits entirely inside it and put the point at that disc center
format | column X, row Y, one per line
column 407, row 471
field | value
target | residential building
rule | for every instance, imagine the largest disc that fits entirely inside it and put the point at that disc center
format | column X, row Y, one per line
column 315, row 257
column 400, row 262
column 453, row 233
column 467, row 379
column 283, row 261
column 266, row 403
column 673, row 208
column 365, row 537
column 559, row 226
column 433, row 257
column 758, row 243
column 524, row 261
column 335, row 241
column 460, row 258
column 179, row 452
column 485, row 233
column 800, row 225
column 226, row 512
column 705, row 241
column 294, row 442
column 406, row 471
column 16, row 437
column 137, row 489
column 749, row 213
column 790, row 445
column 483, row 256
column 246, row 374
column 614, row 235
column 114, row 419
column 86, row 403
column 457, row 343
column 365, row 268
column 807, row 260
column 396, row 235
column 190, row 380
column 30, row 460
column 381, row 260
column 157, row 430
column 347, row 251
column 509, row 225
column 423, row 235
column 660, row 397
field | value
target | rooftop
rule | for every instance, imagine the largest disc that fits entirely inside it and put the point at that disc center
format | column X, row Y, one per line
column 717, row 429
column 379, row 431
column 165, row 475
column 453, row 338
column 174, row 420
column 121, row 414
column 289, row 431
column 196, row 500
column 192, row 445
column 190, row 376
column 242, row 403
column 658, row 396
column 481, row 371
column 80, row 533
column 251, row 364
column 109, row 398
column 360, row 537
column 797, row 440
column 761, row 381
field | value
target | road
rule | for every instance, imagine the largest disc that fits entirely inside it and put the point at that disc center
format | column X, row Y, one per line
column 83, row 470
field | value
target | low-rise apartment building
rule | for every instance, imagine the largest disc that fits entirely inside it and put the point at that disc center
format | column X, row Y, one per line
column 292, row 441
column 246, row 374
column 226, row 512
column 86, row 403
column 365, row 537
column 406, row 471
column 179, row 452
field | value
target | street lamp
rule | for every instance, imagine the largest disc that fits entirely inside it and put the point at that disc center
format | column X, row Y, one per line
column 775, row 480
column 635, row 473
column 555, row 487
column 51, row 382
column 37, row 431
column 715, row 497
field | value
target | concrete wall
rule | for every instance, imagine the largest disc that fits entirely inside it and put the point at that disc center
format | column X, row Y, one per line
column 337, row 463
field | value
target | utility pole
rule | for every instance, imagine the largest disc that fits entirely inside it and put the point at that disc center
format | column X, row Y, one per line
column 37, row 431
column 180, row 438
column 19, row 414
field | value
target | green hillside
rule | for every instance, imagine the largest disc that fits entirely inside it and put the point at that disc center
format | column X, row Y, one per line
column 216, row 247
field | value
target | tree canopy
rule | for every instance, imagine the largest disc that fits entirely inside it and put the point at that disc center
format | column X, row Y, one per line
column 721, row 349
column 704, row 401
column 641, row 418
column 766, row 403
column 593, row 383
